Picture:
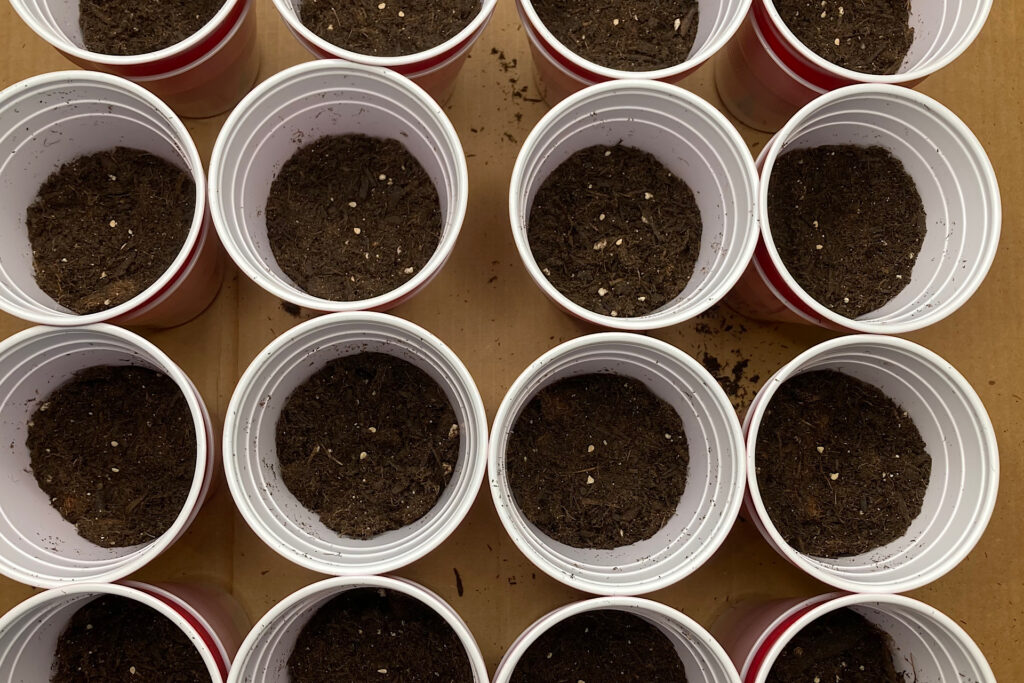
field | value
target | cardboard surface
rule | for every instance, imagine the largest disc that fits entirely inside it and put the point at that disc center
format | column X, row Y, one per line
column 486, row 308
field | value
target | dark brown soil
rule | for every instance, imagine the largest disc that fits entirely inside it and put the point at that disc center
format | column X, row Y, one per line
column 848, row 223
column 115, row 450
column 119, row 640
column 630, row 35
column 385, row 455
column 598, row 461
column 106, row 226
column 841, row 646
column 842, row 469
column 604, row 646
column 135, row 27
column 351, row 217
column 369, row 634
column 870, row 36
column 387, row 29
column 615, row 231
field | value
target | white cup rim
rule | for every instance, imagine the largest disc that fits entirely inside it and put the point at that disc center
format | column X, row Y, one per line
column 258, row 273
column 772, row 152
column 800, row 560
column 652, row 321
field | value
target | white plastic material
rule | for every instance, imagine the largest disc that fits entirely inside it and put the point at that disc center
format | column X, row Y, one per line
column 693, row 140
column 703, row 658
column 295, row 108
column 714, row 487
column 263, row 657
column 958, row 435
column 37, row 545
column 49, row 120
column 250, row 454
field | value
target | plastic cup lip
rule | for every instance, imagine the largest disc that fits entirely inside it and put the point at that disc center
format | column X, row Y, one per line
column 538, row 628
column 72, row 79
column 773, row 150
column 930, row 66
column 792, row 368
column 64, row 45
column 655, row 320
column 287, row 12
column 496, row 455
column 135, row 592
column 830, row 604
column 292, row 293
column 476, row 463
column 337, row 585
column 200, row 417
column 670, row 72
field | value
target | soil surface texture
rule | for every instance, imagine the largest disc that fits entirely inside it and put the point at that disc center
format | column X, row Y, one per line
column 135, row 27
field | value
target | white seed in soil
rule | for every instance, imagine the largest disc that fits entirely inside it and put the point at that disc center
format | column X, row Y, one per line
column 114, row 470
column 113, row 224
column 677, row 24
column 833, row 476
column 356, row 230
column 114, row 444
column 401, row 14
column 546, row 272
column 615, row 22
column 615, row 314
column 112, row 177
column 601, row 217
column 846, row 299
column 131, row 670
column 382, row 671
column 453, row 431
column 409, row 270
column 382, row 5
column 819, row 247
column 618, row 242
column 590, row 480
column 103, row 274
column 590, row 448
column 372, row 430
column 550, row 654
column 668, row 436
column 106, row 302
column 363, row 456
column 382, row 176
column 353, row 204
column 641, row 298
column 820, row 449
column 330, row 27
column 648, row 196
column 607, row 152
column 837, row 41
column 602, row 291
column 600, row 244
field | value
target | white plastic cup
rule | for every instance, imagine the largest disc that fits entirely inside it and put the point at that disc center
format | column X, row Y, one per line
column 29, row 632
column 767, row 74
column 693, row 140
column 958, row 435
column 263, row 657
column 715, row 481
column 37, row 545
column 300, row 105
column 250, row 454
column 203, row 75
column 953, row 176
column 703, row 658
column 435, row 70
column 49, row 120
column 561, row 72
column 927, row 645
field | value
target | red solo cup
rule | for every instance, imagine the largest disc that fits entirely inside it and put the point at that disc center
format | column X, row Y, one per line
column 203, row 75
column 49, row 120
column 560, row 72
column 435, row 70
column 767, row 74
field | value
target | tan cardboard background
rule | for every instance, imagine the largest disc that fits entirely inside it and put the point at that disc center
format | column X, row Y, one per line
column 486, row 308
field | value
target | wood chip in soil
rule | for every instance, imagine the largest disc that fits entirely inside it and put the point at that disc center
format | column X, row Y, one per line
column 114, row 639
column 106, row 226
column 848, row 223
column 389, row 28
column 375, row 634
column 615, row 231
column 839, row 646
column 598, row 461
column 135, row 27
column 114, row 449
column 870, row 36
column 629, row 35
column 841, row 468
column 350, row 217
column 601, row 646
column 384, row 456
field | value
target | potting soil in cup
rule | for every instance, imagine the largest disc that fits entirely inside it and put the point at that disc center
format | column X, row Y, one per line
column 841, row 646
column 631, row 35
column 106, row 226
column 848, row 223
column 113, row 638
column 841, row 468
column 870, row 36
column 369, row 443
column 598, row 461
column 370, row 634
column 387, row 28
column 601, row 646
column 615, row 231
column 350, row 217
column 135, row 27
column 114, row 448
